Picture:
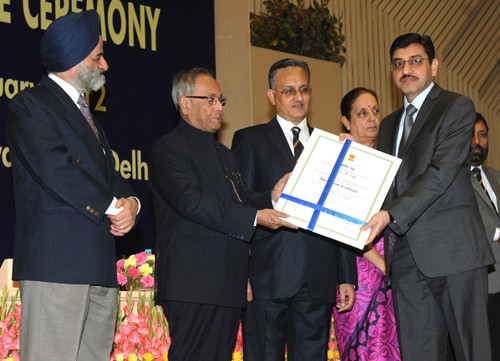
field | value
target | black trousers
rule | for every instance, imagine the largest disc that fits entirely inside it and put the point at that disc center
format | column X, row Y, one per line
column 494, row 319
column 201, row 332
column 300, row 323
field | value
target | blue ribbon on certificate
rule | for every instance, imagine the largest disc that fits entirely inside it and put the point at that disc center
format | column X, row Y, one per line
column 319, row 207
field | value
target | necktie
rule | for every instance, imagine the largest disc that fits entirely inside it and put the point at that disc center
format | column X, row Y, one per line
column 477, row 173
column 297, row 145
column 86, row 113
column 408, row 124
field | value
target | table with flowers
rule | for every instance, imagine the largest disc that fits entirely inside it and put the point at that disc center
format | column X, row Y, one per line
column 141, row 328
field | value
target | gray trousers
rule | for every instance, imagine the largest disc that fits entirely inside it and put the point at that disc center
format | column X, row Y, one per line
column 432, row 311
column 65, row 322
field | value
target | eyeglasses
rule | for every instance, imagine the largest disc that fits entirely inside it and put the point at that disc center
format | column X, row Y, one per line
column 399, row 64
column 291, row 92
column 212, row 99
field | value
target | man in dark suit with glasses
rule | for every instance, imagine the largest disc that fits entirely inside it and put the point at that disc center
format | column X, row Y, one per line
column 294, row 274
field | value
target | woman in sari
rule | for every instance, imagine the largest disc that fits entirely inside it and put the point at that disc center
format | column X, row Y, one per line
column 368, row 330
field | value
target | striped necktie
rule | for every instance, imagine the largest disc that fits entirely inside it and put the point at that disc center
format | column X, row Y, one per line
column 477, row 173
column 297, row 145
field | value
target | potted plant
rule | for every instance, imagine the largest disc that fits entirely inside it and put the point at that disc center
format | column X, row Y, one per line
column 291, row 27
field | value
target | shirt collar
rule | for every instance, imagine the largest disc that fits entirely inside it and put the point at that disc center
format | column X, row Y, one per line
column 419, row 100
column 67, row 87
column 287, row 125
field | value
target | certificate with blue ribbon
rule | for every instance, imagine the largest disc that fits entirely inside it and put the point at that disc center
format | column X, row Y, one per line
column 336, row 187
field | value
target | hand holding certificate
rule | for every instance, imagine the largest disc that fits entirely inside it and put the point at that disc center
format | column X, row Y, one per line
column 336, row 187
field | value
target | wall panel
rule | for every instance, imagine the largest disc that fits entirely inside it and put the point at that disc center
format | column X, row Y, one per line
column 464, row 32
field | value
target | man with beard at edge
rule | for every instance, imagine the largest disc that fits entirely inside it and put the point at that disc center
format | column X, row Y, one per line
column 487, row 201
column 70, row 202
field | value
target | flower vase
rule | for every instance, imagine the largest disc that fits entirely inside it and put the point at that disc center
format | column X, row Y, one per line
column 132, row 288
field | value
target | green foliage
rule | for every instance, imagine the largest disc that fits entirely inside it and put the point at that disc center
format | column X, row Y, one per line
column 291, row 27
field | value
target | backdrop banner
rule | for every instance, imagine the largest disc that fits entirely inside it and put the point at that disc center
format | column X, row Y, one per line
column 145, row 43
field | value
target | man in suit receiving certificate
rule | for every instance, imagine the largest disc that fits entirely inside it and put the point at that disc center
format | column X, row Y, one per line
column 441, row 254
column 293, row 273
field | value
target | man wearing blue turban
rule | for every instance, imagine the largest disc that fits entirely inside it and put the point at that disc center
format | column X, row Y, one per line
column 70, row 202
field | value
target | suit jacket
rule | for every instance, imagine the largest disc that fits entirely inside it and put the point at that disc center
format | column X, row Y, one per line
column 202, row 228
column 433, row 202
column 63, row 184
column 281, row 259
column 490, row 221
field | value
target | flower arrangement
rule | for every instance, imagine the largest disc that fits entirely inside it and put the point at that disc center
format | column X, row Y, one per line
column 136, row 271
column 238, row 349
column 10, row 319
column 141, row 332
column 333, row 349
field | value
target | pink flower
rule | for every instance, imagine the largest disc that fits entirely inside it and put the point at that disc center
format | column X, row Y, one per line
column 122, row 279
column 148, row 281
column 141, row 258
column 9, row 328
column 119, row 264
column 332, row 345
column 135, row 337
column 133, row 272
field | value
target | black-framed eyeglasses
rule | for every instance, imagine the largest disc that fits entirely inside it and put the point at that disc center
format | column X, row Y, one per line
column 291, row 92
column 399, row 64
column 212, row 99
